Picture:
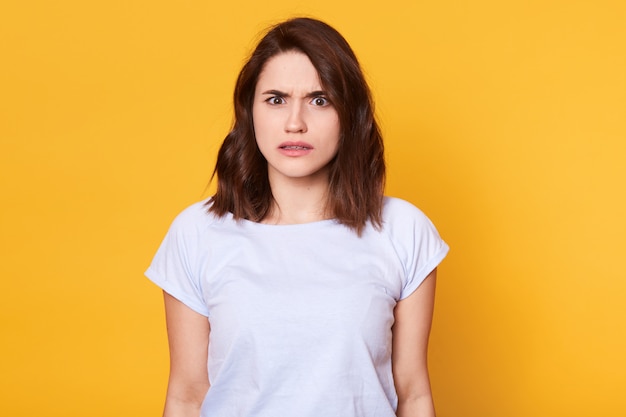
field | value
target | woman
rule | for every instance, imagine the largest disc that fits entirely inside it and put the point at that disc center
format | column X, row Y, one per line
column 311, row 292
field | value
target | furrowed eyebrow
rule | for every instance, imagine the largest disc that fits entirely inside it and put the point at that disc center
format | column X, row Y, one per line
column 275, row 93
column 312, row 94
column 316, row 94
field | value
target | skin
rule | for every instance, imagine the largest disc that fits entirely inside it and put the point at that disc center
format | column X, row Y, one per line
column 188, row 337
column 413, row 318
column 290, row 107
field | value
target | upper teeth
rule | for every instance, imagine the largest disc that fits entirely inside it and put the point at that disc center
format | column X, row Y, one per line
column 294, row 147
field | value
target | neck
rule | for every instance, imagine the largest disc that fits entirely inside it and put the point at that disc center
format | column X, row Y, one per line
column 299, row 200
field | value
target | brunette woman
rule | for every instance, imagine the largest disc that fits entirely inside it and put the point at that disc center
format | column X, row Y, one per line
column 298, row 289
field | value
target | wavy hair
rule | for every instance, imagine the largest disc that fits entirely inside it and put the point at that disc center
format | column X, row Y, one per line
column 356, row 174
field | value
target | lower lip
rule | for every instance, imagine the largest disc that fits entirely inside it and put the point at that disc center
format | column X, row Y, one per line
column 294, row 151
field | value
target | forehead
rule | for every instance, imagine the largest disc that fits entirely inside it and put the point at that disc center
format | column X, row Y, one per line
column 292, row 70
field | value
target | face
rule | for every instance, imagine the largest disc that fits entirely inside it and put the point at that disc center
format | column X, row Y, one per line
column 296, row 127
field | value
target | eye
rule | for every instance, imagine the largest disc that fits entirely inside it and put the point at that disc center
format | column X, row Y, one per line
column 275, row 100
column 320, row 101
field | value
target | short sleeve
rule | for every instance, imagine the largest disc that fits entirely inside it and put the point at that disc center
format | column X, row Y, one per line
column 174, row 267
column 417, row 243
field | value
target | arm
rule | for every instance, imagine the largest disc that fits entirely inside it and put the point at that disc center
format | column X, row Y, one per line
column 413, row 317
column 188, row 336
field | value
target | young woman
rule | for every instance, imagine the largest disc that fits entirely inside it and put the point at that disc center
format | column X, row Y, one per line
column 298, row 289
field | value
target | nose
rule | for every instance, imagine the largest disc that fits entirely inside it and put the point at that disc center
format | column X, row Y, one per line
column 295, row 122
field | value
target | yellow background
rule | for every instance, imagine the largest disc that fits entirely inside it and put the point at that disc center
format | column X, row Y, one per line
column 504, row 121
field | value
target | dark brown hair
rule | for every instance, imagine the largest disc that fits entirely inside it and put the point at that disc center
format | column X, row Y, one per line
column 356, row 174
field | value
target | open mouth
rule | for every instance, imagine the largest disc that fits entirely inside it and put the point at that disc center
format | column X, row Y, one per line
column 295, row 147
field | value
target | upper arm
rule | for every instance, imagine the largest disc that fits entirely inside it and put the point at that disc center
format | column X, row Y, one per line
column 188, row 337
column 411, row 329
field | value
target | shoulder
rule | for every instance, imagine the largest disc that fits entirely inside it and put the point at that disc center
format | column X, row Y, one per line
column 407, row 225
column 401, row 213
column 195, row 218
column 415, row 240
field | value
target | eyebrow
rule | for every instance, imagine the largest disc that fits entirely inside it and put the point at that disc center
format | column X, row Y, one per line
column 312, row 94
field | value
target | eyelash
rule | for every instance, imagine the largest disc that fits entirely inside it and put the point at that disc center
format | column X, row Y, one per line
column 326, row 101
column 272, row 100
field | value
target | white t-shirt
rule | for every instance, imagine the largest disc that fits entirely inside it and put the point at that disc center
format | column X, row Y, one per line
column 300, row 314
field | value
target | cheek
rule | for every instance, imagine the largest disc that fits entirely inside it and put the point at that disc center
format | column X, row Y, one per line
column 335, row 131
column 255, row 117
column 259, row 124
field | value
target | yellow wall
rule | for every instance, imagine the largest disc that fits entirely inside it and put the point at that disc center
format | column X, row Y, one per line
column 504, row 120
